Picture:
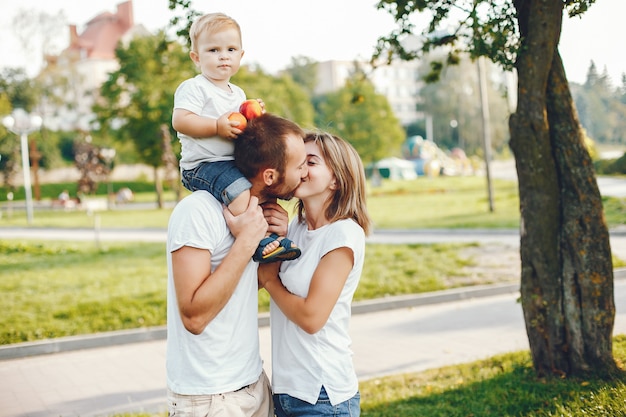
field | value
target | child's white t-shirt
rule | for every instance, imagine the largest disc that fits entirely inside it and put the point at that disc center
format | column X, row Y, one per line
column 202, row 97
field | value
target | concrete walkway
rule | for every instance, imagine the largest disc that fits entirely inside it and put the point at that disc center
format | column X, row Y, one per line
column 388, row 338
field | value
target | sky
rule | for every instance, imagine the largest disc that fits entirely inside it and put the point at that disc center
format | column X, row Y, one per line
column 275, row 31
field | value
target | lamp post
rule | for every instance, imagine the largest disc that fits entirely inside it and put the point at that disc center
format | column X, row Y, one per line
column 22, row 123
column 108, row 154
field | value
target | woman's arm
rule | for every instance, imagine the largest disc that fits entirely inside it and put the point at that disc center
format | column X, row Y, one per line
column 311, row 313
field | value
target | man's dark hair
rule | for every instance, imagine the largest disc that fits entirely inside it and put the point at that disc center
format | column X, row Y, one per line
column 262, row 144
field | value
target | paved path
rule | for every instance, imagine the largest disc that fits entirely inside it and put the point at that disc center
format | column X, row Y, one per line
column 131, row 378
column 509, row 237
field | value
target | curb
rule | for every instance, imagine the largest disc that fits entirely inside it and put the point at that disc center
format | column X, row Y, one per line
column 97, row 340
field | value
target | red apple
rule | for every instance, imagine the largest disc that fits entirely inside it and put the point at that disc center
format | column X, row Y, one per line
column 251, row 109
column 238, row 117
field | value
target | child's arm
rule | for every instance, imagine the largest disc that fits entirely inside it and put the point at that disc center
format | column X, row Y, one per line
column 191, row 124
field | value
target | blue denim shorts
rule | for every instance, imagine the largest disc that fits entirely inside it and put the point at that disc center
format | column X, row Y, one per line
column 221, row 178
column 287, row 406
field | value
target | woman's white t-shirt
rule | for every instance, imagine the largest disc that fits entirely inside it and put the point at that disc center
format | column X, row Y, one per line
column 200, row 96
column 302, row 363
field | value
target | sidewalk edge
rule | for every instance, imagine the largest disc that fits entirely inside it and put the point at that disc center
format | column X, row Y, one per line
column 70, row 343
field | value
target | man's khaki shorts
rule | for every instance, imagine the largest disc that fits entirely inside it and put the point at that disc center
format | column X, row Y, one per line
column 255, row 400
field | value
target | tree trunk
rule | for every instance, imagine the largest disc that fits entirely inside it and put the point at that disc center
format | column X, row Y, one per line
column 567, row 280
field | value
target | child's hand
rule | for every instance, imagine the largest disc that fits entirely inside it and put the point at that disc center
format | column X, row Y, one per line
column 226, row 128
column 262, row 103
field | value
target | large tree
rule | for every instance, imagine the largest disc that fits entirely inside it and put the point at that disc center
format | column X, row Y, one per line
column 567, row 273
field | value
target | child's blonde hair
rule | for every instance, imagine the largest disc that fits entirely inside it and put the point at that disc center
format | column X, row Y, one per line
column 211, row 22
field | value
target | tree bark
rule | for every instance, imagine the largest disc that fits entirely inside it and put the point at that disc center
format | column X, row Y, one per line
column 585, row 252
column 567, row 281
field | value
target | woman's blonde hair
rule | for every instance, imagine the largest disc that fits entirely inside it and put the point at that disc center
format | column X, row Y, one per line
column 348, row 199
column 211, row 22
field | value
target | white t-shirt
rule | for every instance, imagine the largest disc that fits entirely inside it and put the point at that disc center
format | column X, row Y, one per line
column 225, row 356
column 301, row 362
column 202, row 97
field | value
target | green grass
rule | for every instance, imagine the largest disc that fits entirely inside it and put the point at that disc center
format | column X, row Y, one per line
column 501, row 386
column 442, row 202
column 52, row 289
column 504, row 385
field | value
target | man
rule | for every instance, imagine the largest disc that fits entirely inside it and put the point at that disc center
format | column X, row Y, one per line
column 213, row 360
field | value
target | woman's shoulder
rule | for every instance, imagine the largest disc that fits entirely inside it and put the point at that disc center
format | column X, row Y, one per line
column 345, row 231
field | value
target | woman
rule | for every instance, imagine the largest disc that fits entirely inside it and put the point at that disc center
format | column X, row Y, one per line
column 312, row 368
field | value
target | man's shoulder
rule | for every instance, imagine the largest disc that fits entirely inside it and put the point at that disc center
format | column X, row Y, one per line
column 199, row 201
column 198, row 216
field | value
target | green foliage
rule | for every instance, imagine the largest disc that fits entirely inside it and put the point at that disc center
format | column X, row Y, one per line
column 303, row 70
column 484, row 29
column 20, row 90
column 455, row 97
column 362, row 117
column 601, row 108
column 282, row 96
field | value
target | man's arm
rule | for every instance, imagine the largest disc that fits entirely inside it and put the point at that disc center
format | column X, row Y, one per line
column 201, row 294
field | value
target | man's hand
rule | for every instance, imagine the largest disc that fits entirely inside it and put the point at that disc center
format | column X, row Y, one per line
column 276, row 217
column 248, row 226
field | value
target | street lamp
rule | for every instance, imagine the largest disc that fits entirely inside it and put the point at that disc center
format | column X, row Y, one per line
column 108, row 154
column 22, row 123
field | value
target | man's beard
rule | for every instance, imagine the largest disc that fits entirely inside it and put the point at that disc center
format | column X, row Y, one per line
column 278, row 190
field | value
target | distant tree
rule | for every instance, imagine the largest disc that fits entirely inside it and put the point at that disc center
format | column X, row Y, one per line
column 20, row 90
column 137, row 99
column 601, row 109
column 303, row 70
column 362, row 117
column 17, row 90
column 281, row 95
column 567, row 272
column 455, row 99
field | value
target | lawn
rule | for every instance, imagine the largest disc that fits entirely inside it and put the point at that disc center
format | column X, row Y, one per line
column 441, row 202
column 52, row 289
column 423, row 203
column 501, row 386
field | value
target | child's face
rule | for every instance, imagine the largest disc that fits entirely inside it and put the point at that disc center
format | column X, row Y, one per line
column 219, row 54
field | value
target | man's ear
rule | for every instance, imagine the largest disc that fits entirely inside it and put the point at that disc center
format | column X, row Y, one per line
column 270, row 176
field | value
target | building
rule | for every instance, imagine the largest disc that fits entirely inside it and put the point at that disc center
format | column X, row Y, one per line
column 399, row 81
column 76, row 74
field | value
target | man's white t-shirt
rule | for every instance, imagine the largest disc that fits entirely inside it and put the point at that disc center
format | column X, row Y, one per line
column 225, row 356
column 302, row 363
column 200, row 96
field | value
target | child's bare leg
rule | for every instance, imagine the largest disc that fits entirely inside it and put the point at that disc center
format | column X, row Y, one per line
column 238, row 206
